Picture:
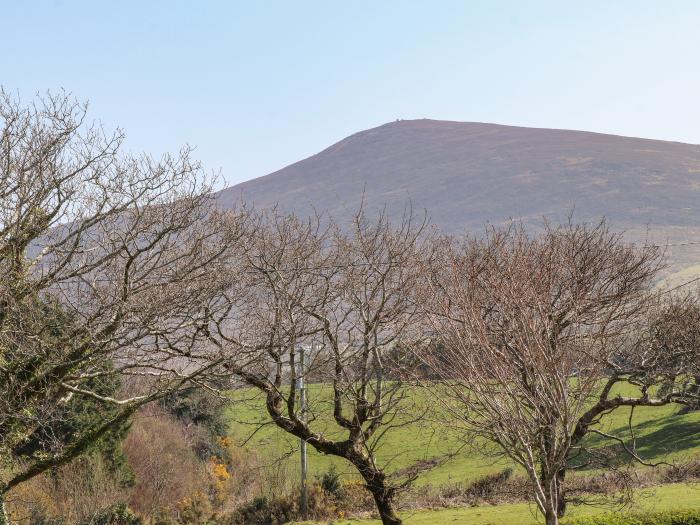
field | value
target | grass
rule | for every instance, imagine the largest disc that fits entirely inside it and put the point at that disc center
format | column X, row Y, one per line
column 400, row 447
column 662, row 433
column 665, row 497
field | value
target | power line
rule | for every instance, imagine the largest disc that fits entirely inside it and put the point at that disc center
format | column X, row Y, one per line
column 669, row 245
column 691, row 281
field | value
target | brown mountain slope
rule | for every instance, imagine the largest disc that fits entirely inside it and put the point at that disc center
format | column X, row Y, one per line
column 465, row 174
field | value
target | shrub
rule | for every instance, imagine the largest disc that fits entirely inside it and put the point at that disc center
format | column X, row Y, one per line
column 355, row 498
column 682, row 472
column 330, row 482
column 277, row 510
column 118, row 515
column 193, row 406
column 166, row 468
column 80, row 492
column 487, row 486
column 266, row 511
column 652, row 518
column 195, row 509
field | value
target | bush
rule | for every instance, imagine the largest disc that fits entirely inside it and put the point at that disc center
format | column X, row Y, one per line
column 691, row 517
column 195, row 509
column 86, row 490
column 330, row 482
column 281, row 509
column 266, row 511
column 118, row 515
column 487, row 486
column 355, row 498
column 167, row 470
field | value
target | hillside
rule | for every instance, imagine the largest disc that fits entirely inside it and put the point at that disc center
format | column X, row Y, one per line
column 466, row 174
column 662, row 434
column 672, row 497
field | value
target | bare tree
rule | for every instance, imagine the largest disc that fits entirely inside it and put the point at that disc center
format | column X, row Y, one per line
column 345, row 297
column 107, row 268
column 672, row 337
column 537, row 331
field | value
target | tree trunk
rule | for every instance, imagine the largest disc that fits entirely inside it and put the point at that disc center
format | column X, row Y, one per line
column 561, row 496
column 4, row 518
column 550, row 517
column 376, row 484
column 553, row 497
column 386, row 509
column 695, row 391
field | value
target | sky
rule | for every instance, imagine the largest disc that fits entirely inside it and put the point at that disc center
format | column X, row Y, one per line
column 258, row 85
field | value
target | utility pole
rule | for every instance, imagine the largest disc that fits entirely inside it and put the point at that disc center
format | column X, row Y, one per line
column 302, row 407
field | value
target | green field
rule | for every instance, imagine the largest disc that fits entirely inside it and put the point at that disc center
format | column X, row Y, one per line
column 662, row 498
column 662, row 433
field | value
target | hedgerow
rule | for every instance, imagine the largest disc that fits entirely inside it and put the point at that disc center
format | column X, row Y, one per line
column 690, row 517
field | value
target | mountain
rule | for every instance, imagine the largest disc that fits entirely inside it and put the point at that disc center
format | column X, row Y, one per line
column 466, row 174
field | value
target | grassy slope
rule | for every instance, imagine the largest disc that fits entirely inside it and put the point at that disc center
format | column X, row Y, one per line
column 666, row 497
column 661, row 433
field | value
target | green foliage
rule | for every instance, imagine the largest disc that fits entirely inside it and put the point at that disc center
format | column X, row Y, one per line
column 80, row 414
column 45, row 425
column 688, row 517
column 37, row 348
column 85, row 413
column 196, row 406
column 266, row 511
column 331, row 482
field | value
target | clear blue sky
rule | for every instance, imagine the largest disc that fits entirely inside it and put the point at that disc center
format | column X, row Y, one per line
column 257, row 85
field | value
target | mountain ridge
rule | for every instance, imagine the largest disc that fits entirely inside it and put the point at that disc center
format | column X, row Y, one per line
column 466, row 174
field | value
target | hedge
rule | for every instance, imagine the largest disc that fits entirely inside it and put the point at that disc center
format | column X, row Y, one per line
column 689, row 517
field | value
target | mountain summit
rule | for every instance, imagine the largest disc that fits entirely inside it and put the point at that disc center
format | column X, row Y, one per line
column 466, row 174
